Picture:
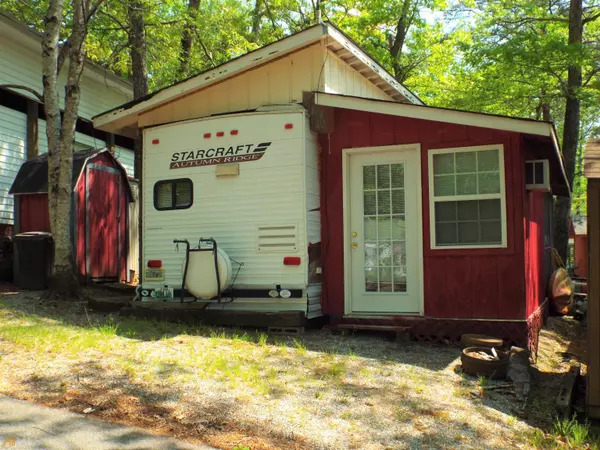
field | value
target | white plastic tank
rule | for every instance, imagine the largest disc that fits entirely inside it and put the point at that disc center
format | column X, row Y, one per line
column 201, row 279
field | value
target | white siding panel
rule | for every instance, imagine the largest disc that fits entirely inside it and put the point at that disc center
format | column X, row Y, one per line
column 13, row 152
column 279, row 82
column 126, row 158
column 343, row 79
column 133, row 230
column 21, row 65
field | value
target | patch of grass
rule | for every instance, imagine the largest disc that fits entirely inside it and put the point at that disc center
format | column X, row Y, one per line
column 300, row 347
column 263, row 339
column 576, row 434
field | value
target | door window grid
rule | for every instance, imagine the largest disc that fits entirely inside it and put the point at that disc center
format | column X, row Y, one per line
column 384, row 228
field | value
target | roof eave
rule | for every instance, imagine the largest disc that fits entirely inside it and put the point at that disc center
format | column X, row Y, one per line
column 482, row 120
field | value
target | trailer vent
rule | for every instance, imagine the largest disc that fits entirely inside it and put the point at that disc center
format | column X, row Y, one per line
column 277, row 238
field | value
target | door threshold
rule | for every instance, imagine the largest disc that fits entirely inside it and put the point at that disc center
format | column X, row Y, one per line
column 363, row 315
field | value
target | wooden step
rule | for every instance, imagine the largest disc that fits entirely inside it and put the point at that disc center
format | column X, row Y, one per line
column 358, row 326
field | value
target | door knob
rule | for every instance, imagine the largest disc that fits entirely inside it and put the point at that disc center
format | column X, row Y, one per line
column 354, row 245
column 354, row 234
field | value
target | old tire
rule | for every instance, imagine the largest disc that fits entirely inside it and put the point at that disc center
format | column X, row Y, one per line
column 480, row 340
column 495, row 370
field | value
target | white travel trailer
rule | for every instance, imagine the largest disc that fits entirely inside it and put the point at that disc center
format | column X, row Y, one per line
column 248, row 181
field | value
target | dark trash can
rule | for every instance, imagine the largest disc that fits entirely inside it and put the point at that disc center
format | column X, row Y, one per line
column 6, row 258
column 33, row 258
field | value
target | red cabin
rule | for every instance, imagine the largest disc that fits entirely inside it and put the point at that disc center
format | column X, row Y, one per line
column 99, row 214
column 454, row 209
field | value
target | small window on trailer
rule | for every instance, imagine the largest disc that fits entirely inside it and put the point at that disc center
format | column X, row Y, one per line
column 467, row 197
column 173, row 194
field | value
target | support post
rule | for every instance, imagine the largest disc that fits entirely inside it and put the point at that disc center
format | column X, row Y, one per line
column 593, row 329
column 32, row 129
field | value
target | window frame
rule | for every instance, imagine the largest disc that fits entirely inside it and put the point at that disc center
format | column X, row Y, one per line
column 457, row 198
column 173, row 194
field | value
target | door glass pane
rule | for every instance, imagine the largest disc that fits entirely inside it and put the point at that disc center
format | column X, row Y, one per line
column 385, row 279
column 398, row 201
column 370, row 203
column 369, row 177
column 384, row 228
column 383, row 176
column 370, row 229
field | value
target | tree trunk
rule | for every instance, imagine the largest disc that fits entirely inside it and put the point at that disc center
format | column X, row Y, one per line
column 50, row 51
column 64, row 284
column 256, row 18
column 404, row 23
column 138, row 66
column 562, row 207
column 187, row 40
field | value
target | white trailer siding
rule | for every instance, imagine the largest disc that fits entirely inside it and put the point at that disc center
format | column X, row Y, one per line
column 13, row 152
column 269, row 192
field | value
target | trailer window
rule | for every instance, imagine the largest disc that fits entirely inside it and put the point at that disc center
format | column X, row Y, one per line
column 467, row 200
column 173, row 194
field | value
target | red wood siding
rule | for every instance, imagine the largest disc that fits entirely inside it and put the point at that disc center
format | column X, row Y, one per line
column 33, row 213
column 472, row 283
column 534, row 250
column 580, row 253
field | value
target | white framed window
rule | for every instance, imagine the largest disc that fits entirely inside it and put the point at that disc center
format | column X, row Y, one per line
column 467, row 201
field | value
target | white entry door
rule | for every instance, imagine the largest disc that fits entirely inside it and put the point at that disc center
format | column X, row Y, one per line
column 384, row 231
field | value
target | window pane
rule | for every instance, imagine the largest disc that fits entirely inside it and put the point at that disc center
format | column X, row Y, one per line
column 397, row 175
column 488, row 160
column 466, row 162
column 398, row 201
column 443, row 163
column 383, row 202
column 399, row 253
column 385, row 279
column 445, row 211
column 489, row 209
column 369, row 177
column 443, row 185
column 399, row 279
column 398, row 227
column 383, row 177
column 491, row 232
column 370, row 229
column 371, row 279
column 466, row 184
column 468, row 233
column 529, row 173
column 445, row 233
column 370, row 254
column 369, row 206
column 472, row 222
column 489, row 183
column 385, row 253
column 164, row 195
column 467, row 210
column 385, row 228
column 183, row 193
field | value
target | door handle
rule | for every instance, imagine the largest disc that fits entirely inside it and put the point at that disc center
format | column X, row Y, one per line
column 354, row 245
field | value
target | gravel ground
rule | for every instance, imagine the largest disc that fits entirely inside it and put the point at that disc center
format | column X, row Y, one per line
column 238, row 387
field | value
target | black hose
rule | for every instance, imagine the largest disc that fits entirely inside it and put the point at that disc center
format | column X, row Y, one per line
column 187, row 261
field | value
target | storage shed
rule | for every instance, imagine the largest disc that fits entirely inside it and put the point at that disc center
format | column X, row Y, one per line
column 319, row 162
column 101, row 197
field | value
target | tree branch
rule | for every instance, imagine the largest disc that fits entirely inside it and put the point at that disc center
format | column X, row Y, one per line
column 24, row 88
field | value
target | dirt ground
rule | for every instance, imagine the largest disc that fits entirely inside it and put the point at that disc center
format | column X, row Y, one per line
column 232, row 387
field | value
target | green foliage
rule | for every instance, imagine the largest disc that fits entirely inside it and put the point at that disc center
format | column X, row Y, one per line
column 505, row 57
column 576, row 434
